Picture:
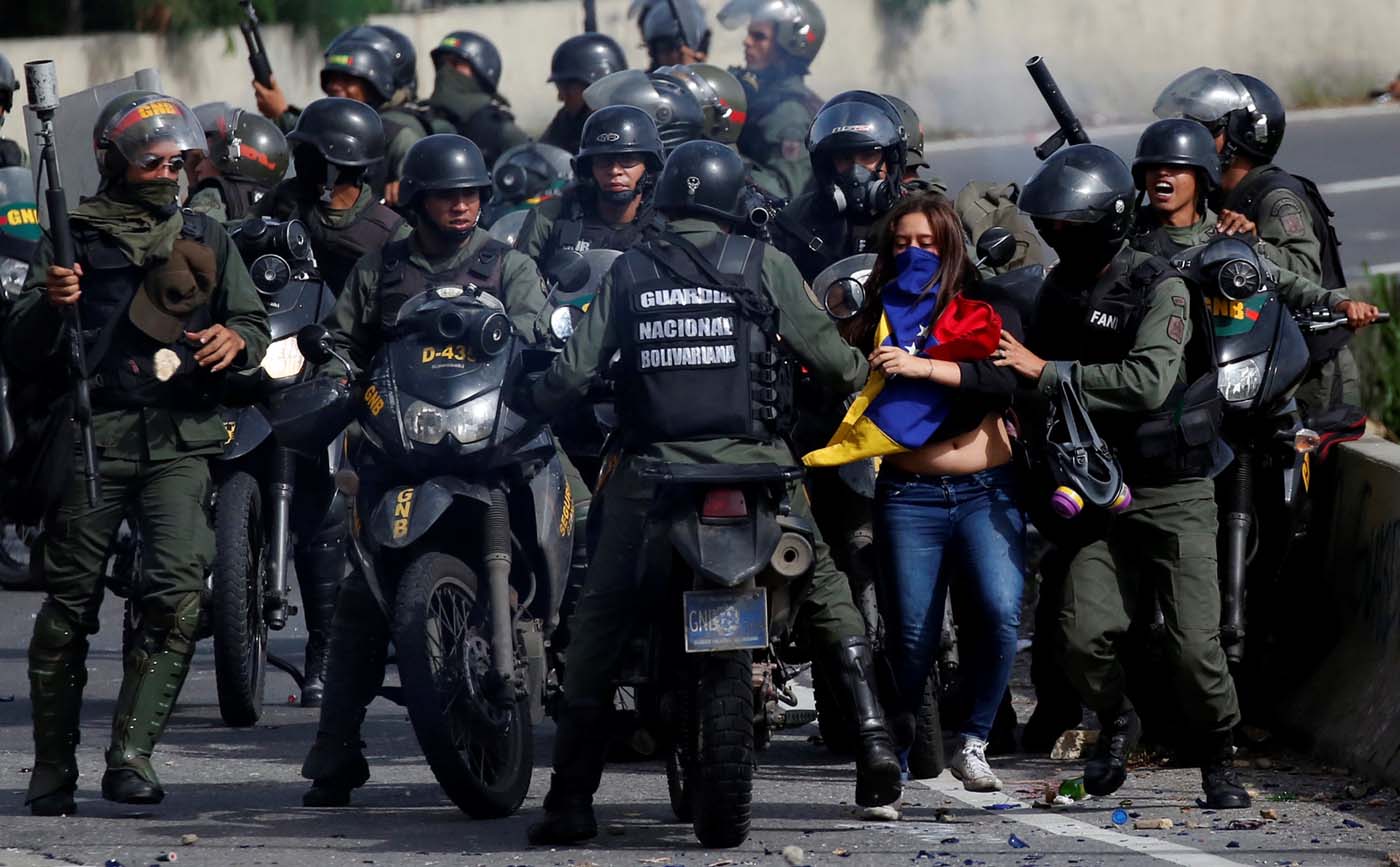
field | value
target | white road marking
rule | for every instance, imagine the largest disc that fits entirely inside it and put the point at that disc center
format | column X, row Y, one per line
column 1384, row 268
column 1361, row 185
column 1063, row 826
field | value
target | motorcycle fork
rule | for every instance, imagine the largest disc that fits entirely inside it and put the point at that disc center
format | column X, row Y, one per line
column 281, row 490
column 1236, row 497
column 498, row 562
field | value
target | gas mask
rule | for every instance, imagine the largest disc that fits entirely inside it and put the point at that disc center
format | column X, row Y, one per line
column 859, row 195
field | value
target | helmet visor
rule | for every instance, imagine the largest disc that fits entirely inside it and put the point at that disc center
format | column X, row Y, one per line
column 857, row 124
column 1204, row 95
column 738, row 13
column 1076, row 188
column 154, row 124
column 628, row 87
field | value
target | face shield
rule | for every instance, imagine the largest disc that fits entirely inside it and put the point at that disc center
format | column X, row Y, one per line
column 737, row 14
column 155, row 123
column 1203, row 94
column 720, row 95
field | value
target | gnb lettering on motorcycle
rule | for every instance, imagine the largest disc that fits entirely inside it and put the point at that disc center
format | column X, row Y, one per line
column 403, row 507
column 374, row 400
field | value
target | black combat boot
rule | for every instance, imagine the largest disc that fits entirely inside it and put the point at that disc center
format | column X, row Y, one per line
column 320, row 568
column 580, row 750
column 1107, row 768
column 1218, row 778
column 877, row 765
column 336, row 767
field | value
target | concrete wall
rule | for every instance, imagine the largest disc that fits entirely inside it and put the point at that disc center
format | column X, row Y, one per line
column 961, row 65
column 1349, row 706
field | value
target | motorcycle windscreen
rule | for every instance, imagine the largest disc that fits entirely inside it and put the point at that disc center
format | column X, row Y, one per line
column 435, row 356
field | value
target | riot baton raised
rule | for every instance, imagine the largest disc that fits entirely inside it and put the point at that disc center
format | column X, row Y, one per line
column 1070, row 129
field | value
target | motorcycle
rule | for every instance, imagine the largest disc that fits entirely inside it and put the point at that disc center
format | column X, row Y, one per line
column 266, row 495
column 1262, row 355
column 467, row 550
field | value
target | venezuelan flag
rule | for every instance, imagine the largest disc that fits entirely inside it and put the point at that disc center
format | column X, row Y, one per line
column 890, row 416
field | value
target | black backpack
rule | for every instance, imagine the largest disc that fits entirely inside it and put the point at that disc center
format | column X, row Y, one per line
column 1246, row 198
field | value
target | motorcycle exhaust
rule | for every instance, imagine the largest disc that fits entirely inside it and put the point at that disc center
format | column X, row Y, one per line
column 793, row 557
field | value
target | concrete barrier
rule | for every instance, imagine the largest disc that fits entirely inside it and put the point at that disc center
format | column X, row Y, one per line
column 1349, row 706
column 959, row 62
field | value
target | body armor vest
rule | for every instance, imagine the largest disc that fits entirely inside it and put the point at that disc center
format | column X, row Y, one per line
column 1175, row 441
column 239, row 195
column 338, row 249
column 1245, row 199
column 121, row 358
column 699, row 351
column 579, row 229
column 400, row 279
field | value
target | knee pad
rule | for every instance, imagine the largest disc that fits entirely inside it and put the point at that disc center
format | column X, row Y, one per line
column 56, row 636
column 172, row 627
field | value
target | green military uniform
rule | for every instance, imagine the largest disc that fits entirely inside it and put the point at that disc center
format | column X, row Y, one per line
column 565, row 130
column 153, row 466
column 359, row 633
column 339, row 236
column 775, row 134
column 209, row 202
column 483, row 117
column 601, row 625
column 1164, row 543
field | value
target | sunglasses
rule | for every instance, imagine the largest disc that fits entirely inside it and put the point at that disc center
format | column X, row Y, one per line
column 151, row 162
column 624, row 161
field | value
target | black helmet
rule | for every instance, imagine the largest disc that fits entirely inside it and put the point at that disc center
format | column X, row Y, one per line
column 530, row 170
column 404, row 57
column 660, row 23
column 444, row 161
column 8, row 85
column 1085, row 184
column 704, row 178
column 1257, row 129
column 243, row 144
column 132, row 121
column 1177, row 141
column 721, row 97
column 479, row 53
column 618, row 129
column 586, row 58
column 345, row 132
column 853, row 121
column 677, row 113
column 364, row 61
column 913, row 132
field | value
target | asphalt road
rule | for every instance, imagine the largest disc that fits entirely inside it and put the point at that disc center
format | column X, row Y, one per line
column 240, row 792
column 1349, row 152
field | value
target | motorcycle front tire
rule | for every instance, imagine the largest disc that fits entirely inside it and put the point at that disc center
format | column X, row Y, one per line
column 236, row 600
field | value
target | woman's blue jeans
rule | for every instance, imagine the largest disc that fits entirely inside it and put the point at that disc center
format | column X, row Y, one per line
column 966, row 529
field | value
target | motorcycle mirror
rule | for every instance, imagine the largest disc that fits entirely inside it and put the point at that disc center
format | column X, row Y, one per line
column 844, row 298
column 314, row 341
column 567, row 271
column 996, row 247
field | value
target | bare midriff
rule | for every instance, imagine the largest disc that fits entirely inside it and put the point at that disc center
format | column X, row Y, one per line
column 986, row 446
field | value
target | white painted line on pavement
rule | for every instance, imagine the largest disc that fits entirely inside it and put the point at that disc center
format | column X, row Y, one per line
column 1063, row 826
column 1360, row 185
column 1384, row 268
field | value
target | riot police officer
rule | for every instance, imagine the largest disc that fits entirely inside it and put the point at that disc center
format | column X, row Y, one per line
column 466, row 92
column 783, row 39
column 10, row 153
column 248, row 155
column 334, row 143
column 676, row 416
column 1123, row 328
column 609, row 206
column 445, row 183
column 675, row 110
column 858, row 160
column 1256, row 196
column 169, row 309
column 578, row 62
column 672, row 40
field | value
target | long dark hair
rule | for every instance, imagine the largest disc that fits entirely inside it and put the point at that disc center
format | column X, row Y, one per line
column 954, row 270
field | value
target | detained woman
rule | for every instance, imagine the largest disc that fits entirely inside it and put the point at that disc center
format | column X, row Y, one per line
column 951, row 500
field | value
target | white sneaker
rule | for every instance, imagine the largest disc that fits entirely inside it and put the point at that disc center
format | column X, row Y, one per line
column 969, row 764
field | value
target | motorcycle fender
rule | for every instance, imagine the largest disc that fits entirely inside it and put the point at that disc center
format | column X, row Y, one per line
column 405, row 513
column 244, row 430
column 727, row 554
column 553, row 507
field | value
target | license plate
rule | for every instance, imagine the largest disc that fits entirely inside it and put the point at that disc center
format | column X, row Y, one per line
column 725, row 620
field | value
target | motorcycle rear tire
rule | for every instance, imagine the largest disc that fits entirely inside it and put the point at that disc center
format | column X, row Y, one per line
column 723, row 798
column 926, row 757
column 236, row 600
column 435, row 580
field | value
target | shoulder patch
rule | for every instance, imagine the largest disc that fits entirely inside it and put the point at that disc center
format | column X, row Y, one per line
column 1290, row 214
column 1176, row 329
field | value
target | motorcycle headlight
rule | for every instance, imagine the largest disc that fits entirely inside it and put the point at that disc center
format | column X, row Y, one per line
column 12, row 275
column 283, row 359
column 468, row 423
column 1240, row 380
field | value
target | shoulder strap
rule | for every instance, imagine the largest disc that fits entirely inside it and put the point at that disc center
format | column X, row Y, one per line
column 392, row 258
column 1146, row 276
column 489, row 260
column 195, row 227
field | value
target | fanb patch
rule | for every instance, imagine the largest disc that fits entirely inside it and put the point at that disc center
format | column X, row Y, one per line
column 1290, row 215
column 1176, row 329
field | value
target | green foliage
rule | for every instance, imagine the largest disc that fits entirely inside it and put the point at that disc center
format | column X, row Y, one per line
column 1378, row 356
column 39, row 17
